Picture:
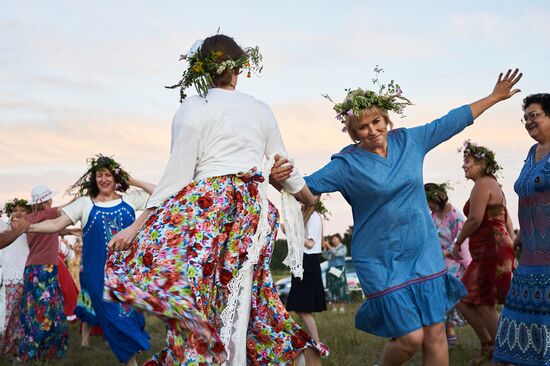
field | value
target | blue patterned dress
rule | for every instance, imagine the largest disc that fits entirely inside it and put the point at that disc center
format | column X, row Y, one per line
column 123, row 327
column 395, row 247
column 523, row 335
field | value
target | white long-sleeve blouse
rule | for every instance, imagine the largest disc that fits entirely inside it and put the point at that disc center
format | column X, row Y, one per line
column 225, row 133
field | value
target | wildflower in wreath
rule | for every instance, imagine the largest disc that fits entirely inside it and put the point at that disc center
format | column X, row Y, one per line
column 86, row 185
column 481, row 153
column 16, row 202
column 389, row 97
column 437, row 192
column 205, row 67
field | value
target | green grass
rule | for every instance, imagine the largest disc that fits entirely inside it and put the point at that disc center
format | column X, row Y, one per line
column 349, row 346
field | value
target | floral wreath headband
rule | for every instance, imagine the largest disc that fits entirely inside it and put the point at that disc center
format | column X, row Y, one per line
column 97, row 163
column 433, row 190
column 10, row 205
column 481, row 153
column 201, row 69
column 389, row 97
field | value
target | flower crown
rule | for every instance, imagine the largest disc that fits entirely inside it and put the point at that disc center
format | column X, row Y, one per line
column 82, row 186
column 321, row 209
column 10, row 205
column 433, row 190
column 481, row 153
column 201, row 70
column 389, row 97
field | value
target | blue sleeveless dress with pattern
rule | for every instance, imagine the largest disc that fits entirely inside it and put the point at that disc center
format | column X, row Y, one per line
column 123, row 326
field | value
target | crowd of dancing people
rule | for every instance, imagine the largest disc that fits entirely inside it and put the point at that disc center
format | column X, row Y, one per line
column 198, row 254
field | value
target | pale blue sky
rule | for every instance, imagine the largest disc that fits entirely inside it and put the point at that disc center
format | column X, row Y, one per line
column 78, row 78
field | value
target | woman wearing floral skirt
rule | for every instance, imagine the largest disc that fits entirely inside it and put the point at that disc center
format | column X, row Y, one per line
column 201, row 258
column 13, row 266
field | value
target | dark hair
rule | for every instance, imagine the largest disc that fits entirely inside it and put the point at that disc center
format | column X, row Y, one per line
column 337, row 235
column 541, row 98
column 480, row 154
column 16, row 202
column 231, row 51
column 437, row 193
column 86, row 185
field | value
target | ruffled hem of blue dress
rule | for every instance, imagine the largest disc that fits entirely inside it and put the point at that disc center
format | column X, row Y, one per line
column 410, row 307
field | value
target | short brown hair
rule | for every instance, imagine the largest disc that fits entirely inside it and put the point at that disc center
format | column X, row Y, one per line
column 231, row 51
column 353, row 120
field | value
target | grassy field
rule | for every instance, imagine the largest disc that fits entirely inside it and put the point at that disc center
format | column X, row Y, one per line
column 348, row 345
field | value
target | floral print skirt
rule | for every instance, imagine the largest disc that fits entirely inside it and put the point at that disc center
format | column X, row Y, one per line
column 181, row 263
column 43, row 322
column 12, row 328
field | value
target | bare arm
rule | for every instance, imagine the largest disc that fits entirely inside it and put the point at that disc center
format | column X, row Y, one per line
column 479, row 198
column 123, row 239
column 502, row 91
column 52, row 225
column 146, row 186
column 7, row 237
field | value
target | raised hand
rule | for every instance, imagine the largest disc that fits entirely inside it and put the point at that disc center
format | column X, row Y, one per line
column 504, row 87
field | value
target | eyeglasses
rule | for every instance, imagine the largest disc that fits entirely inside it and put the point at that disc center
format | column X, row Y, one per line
column 531, row 116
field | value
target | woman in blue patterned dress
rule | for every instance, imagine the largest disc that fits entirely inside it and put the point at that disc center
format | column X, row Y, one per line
column 103, row 212
column 523, row 334
column 395, row 247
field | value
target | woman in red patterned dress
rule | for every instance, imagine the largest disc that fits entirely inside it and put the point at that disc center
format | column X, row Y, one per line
column 491, row 241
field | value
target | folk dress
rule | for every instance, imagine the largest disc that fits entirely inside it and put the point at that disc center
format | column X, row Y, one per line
column 13, row 260
column 201, row 260
column 523, row 334
column 123, row 327
column 395, row 247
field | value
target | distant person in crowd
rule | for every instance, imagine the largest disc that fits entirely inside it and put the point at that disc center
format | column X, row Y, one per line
column 12, row 260
column 307, row 295
column 448, row 222
column 335, row 275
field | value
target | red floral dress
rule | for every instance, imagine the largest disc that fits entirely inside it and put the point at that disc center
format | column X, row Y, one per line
column 182, row 262
column 489, row 275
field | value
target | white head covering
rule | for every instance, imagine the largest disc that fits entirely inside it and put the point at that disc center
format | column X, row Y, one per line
column 40, row 193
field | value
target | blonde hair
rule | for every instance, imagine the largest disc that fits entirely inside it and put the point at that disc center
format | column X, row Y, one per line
column 353, row 120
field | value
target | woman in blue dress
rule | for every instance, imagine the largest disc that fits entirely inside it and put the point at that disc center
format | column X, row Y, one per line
column 103, row 212
column 523, row 333
column 395, row 247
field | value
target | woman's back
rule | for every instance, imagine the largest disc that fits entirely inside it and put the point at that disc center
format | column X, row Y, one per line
column 225, row 133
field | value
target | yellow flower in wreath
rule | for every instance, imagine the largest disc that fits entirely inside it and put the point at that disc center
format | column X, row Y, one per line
column 198, row 67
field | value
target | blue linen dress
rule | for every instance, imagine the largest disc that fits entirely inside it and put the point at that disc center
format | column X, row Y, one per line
column 395, row 247
column 123, row 327
column 523, row 334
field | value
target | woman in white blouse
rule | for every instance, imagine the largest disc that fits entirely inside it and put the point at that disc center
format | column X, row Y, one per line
column 12, row 261
column 103, row 211
column 200, row 258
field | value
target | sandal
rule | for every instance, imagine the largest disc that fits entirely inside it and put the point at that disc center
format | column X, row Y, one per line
column 452, row 341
